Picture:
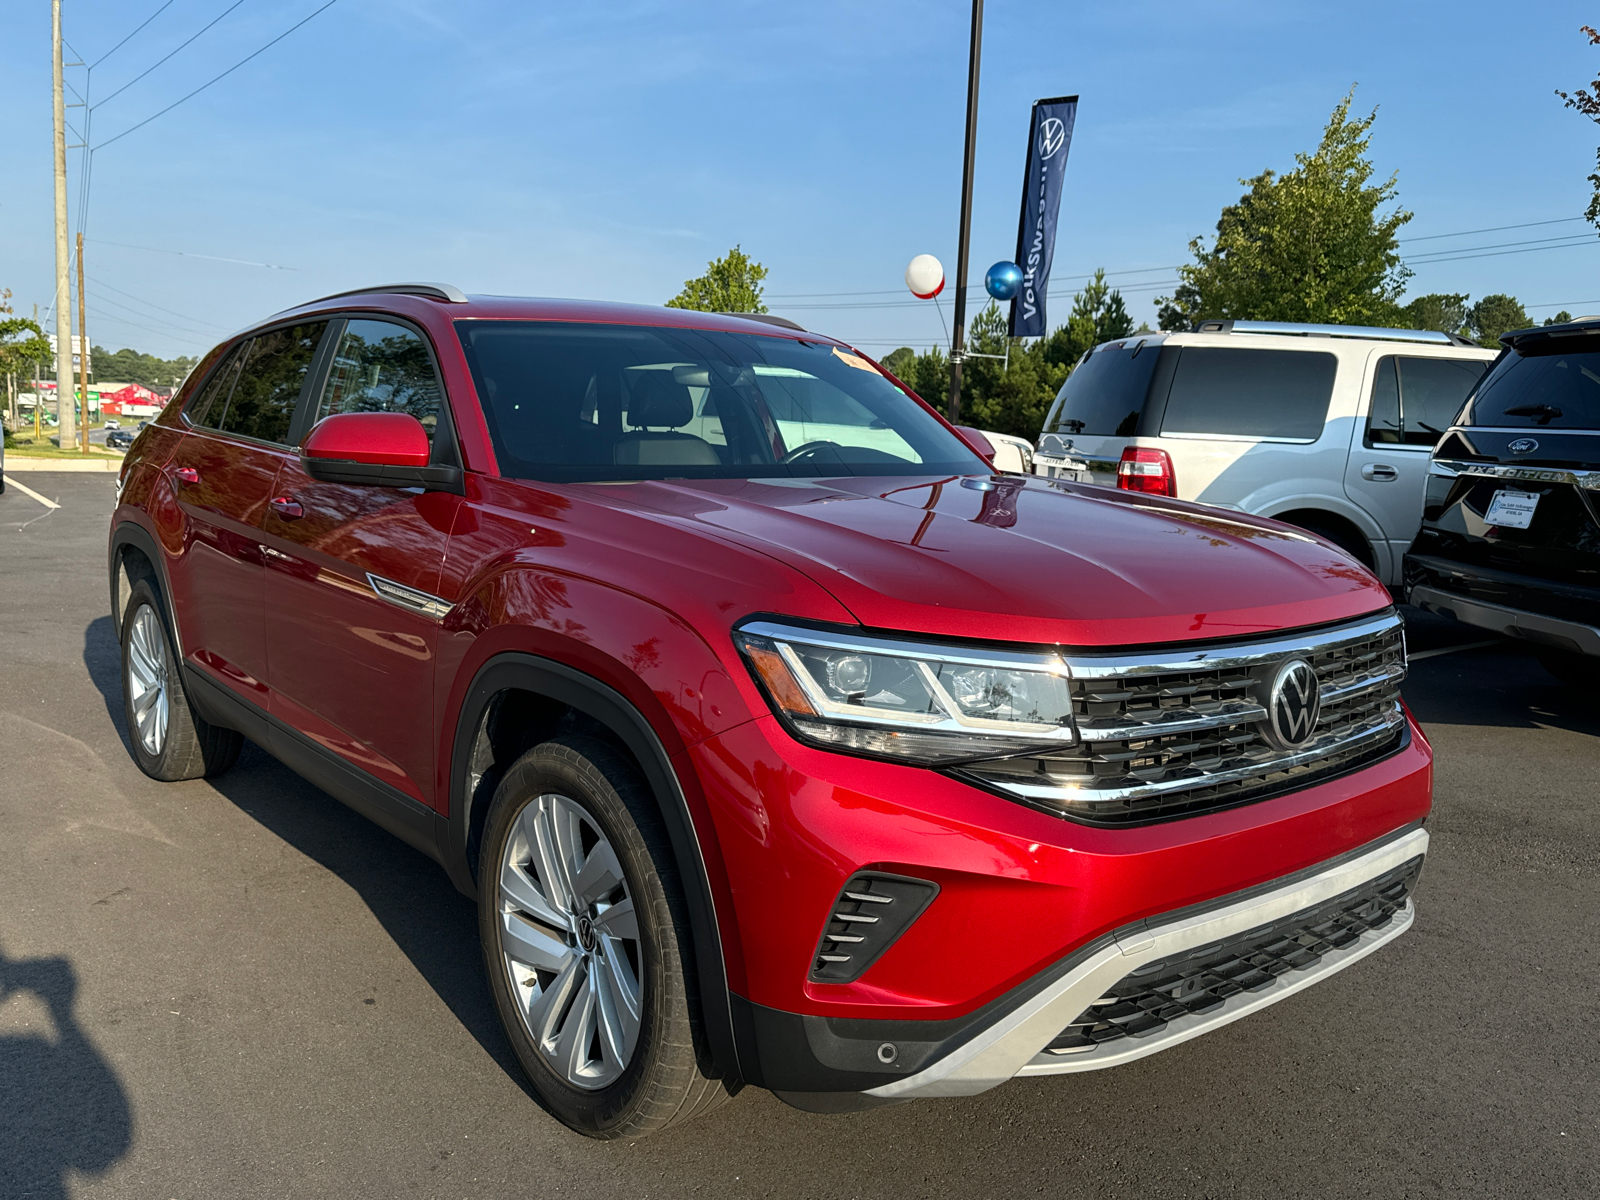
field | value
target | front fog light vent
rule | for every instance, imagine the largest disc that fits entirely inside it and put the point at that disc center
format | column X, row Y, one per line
column 872, row 911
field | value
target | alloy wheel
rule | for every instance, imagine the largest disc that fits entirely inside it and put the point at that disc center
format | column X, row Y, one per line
column 569, row 938
column 147, row 680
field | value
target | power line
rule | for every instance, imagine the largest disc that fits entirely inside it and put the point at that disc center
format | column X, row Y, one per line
column 129, row 38
column 170, row 312
column 1492, row 229
column 99, row 300
column 224, row 74
column 243, row 262
column 159, row 61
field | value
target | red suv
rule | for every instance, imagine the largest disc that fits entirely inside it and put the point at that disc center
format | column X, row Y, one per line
column 779, row 739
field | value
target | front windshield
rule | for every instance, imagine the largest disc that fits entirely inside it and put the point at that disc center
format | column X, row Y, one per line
column 568, row 402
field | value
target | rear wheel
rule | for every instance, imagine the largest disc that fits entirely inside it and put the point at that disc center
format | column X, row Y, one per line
column 170, row 740
column 585, row 943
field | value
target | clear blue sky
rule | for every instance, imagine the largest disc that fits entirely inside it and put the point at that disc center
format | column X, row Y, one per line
column 609, row 151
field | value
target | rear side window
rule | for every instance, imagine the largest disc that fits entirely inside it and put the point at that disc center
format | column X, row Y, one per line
column 1542, row 386
column 211, row 401
column 1105, row 393
column 1237, row 392
column 273, row 371
column 1414, row 400
column 382, row 367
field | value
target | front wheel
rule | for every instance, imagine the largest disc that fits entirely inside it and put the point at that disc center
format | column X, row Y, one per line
column 586, row 944
column 170, row 740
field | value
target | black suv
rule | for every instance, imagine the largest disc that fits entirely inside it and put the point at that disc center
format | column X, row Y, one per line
column 1510, row 537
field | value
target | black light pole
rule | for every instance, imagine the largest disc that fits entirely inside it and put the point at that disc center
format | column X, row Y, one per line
column 958, row 343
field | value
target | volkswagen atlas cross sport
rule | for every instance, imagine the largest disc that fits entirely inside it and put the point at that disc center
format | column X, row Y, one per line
column 779, row 739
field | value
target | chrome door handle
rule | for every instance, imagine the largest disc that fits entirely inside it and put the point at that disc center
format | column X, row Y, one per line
column 1379, row 473
column 187, row 476
column 286, row 507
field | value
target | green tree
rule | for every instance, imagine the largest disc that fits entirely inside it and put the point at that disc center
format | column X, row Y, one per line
column 1308, row 245
column 1561, row 318
column 1098, row 315
column 130, row 366
column 1444, row 311
column 1587, row 102
column 22, row 344
column 731, row 284
column 1494, row 315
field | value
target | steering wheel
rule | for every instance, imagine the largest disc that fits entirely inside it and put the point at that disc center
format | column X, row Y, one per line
column 805, row 451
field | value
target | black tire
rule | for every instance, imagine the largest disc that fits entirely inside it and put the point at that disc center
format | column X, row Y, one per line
column 662, row 1082
column 191, row 747
column 1570, row 667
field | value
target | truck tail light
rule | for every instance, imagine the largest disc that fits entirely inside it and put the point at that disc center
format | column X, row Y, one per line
column 1143, row 470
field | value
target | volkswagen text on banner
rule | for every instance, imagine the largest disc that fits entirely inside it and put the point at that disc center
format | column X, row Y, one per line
column 1049, row 136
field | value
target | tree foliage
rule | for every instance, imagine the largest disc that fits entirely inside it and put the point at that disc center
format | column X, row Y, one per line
column 1587, row 102
column 1483, row 322
column 1308, row 245
column 130, row 366
column 1494, row 315
column 1443, row 311
column 1013, row 393
column 731, row 283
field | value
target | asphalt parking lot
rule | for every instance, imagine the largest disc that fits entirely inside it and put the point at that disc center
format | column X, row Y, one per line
column 239, row 988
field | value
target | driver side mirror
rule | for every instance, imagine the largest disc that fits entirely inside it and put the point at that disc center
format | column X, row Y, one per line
column 380, row 449
column 975, row 439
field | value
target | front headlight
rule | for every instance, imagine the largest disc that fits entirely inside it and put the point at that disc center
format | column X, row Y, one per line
column 923, row 703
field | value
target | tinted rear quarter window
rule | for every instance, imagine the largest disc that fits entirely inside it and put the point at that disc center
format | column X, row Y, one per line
column 1544, row 385
column 1238, row 392
column 211, row 401
column 1414, row 400
column 1106, row 392
column 269, row 383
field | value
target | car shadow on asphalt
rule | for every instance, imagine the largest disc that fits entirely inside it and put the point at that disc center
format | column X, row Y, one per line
column 432, row 924
column 62, row 1107
column 1502, row 686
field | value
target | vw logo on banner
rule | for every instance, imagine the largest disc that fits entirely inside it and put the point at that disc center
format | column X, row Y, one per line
column 1052, row 136
column 1294, row 702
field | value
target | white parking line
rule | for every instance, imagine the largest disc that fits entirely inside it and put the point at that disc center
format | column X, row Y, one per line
column 11, row 481
column 1452, row 649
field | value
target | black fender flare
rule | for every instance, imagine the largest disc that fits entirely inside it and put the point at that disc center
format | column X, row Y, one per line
column 130, row 533
column 546, row 677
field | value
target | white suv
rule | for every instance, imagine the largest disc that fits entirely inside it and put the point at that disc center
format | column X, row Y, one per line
column 1328, row 427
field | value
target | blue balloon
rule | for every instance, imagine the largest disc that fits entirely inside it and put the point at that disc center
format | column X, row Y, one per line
column 1003, row 280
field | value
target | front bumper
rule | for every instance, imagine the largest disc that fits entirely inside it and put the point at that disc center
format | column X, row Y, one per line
column 1018, row 1043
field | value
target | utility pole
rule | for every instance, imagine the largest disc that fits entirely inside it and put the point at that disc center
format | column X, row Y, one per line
column 64, row 406
column 958, row 343
column 83, row 346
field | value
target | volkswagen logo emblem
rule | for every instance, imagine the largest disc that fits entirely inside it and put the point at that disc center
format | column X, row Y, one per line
column 586, row 934
column 1293, row 705
column 1052, row 135
column 1523, row 446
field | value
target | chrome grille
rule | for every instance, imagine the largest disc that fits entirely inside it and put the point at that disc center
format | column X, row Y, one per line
column 1172, row 734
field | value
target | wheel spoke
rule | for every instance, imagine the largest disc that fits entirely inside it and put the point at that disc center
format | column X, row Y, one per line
column 571, row 1047
column 531, row 946
column 554, row 871
column 599, row 875
column 520, row 891
column 619, row 920
column 619, row 1003
column 546, row 1008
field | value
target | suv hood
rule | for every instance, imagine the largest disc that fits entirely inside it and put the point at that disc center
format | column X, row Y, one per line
column 1017, row 558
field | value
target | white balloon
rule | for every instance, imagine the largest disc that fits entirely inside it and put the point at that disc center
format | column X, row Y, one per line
column 925, row 277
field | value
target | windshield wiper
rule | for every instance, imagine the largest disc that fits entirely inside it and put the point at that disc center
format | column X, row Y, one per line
column 1545, row 412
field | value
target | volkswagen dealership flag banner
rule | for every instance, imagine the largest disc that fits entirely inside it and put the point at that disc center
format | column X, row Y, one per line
column 1048, row 139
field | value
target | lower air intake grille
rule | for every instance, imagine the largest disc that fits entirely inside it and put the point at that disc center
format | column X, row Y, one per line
column 1170, row 989
column 871, row 913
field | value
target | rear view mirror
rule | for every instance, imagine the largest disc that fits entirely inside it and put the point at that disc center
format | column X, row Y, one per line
column 377, row 450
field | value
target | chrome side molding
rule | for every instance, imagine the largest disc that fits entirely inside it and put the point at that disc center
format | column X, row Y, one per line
column 398, row 594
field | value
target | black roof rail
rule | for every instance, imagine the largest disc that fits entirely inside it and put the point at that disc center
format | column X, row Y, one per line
column 767, row 319
column 447, row 292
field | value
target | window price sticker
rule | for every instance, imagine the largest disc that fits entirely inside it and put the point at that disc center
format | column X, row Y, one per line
column 1512, row 510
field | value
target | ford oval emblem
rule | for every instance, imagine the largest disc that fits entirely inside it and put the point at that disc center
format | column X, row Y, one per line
column 1523, row 446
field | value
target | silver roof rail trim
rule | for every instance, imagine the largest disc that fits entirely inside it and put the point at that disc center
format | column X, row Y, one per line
column 447, row 292
column 1430, row 337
